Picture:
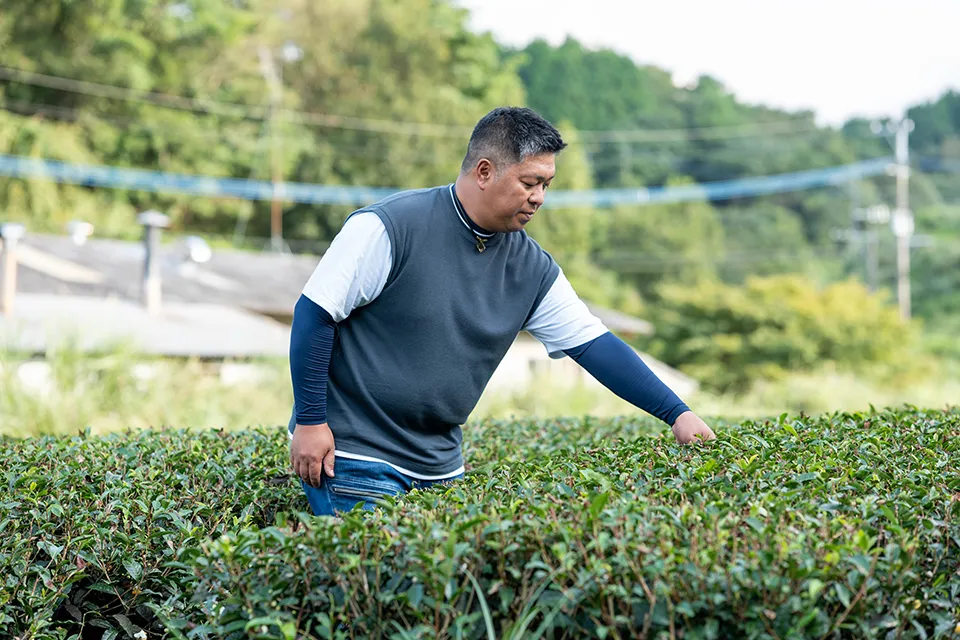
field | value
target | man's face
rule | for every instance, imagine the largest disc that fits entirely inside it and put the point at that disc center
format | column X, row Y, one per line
column 513, row 197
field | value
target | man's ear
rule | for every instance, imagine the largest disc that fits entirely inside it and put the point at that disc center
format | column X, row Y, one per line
column 485, row 172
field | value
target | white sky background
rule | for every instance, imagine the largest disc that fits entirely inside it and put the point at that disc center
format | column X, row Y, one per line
column 838, row 58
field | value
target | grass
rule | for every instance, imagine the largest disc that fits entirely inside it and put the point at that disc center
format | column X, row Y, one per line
column 113, row 391
column 108, row 392
column 809, row 393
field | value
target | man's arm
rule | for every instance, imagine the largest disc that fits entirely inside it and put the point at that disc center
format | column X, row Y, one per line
column 311, row 343
column 564, row 324
column 351, row 273
column 618, row 367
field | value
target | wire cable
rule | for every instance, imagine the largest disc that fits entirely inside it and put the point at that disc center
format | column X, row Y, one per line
column 242, row 110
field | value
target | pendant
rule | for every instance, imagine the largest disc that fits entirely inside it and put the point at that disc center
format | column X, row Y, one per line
column 480, row 244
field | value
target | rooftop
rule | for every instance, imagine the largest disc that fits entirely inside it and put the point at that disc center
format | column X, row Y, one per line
column 206, row 330
column 221, row 307
column 267, row 283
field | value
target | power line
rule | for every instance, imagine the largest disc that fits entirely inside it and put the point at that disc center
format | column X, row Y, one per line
column 231, row 109
column 598, row 159
column 425, row 158
column 933, row 164
column 722, row 190
column 421, row 158
column 759, row 129
column 247, row 111
column 208, row 186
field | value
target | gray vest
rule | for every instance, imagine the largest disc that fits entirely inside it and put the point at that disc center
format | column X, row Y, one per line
column 408, row 368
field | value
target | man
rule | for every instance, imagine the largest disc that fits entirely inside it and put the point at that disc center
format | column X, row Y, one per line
column 414, row 305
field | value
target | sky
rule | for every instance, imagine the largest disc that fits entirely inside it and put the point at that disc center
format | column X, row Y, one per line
column 837, row 58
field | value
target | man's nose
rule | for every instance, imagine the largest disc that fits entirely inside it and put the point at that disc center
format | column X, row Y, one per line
column 536, row 197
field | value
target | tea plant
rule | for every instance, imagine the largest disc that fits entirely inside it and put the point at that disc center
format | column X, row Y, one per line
column 841, row 526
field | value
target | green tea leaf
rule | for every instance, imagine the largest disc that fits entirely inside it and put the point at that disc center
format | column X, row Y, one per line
column 814, row 587
column 128, row 627
column 415, row 595
column 755, row 524
column 134, row 568
column 843, row 594
column 598, row 503
column 862, row 563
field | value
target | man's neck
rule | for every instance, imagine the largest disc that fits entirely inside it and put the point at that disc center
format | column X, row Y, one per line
column 469, row 205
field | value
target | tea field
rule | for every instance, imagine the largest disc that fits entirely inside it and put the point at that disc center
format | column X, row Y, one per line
column 840, row 526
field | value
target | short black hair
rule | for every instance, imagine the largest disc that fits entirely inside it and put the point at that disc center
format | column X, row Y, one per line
column 508, row 135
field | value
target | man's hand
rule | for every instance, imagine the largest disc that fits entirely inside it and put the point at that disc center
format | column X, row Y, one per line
column 690, row 428
column 312, row 452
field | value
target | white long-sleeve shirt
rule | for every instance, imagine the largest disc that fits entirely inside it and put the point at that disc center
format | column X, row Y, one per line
column 354, row 269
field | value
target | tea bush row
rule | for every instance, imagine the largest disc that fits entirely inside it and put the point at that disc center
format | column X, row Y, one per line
column 847, row 526
column 842, row 526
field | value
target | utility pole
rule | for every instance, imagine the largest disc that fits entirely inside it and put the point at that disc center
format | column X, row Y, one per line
column 865, row 221
column 274, row 85
column 873, row 259
column 902, row 221
column 626, row 163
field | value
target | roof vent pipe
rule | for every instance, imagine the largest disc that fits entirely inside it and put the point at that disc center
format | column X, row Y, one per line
column 152, row 222
column 10, row 233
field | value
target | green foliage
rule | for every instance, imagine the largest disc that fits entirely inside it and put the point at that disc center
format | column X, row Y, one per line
column 410, row 60
column 95, row 530
column 937, row 125
column 763, row 240
column 143, row 46
column 937, row 276
column 600, row 90
column 727, row 336
column 670, row 242
column 796, row 527
column 396, row 62
column 597, row 90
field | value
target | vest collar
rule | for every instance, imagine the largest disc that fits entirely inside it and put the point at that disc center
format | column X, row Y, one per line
column 481, row 236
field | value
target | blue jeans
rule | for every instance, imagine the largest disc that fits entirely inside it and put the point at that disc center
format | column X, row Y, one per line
column 359, row 482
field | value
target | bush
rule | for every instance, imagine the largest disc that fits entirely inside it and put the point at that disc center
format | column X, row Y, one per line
column 841, row 526
column 728, row 337
column 793, row 528
column 94, row 530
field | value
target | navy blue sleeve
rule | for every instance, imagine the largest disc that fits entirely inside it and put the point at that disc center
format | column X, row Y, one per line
column 311, row 343
column 618, row 367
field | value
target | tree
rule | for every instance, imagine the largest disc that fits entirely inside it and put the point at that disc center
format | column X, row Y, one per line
column 652, row 244
column 727, row 336
column 142, row 46
column 764, row 239
column 937, row 124
column 574, row 234
column 386, row 61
